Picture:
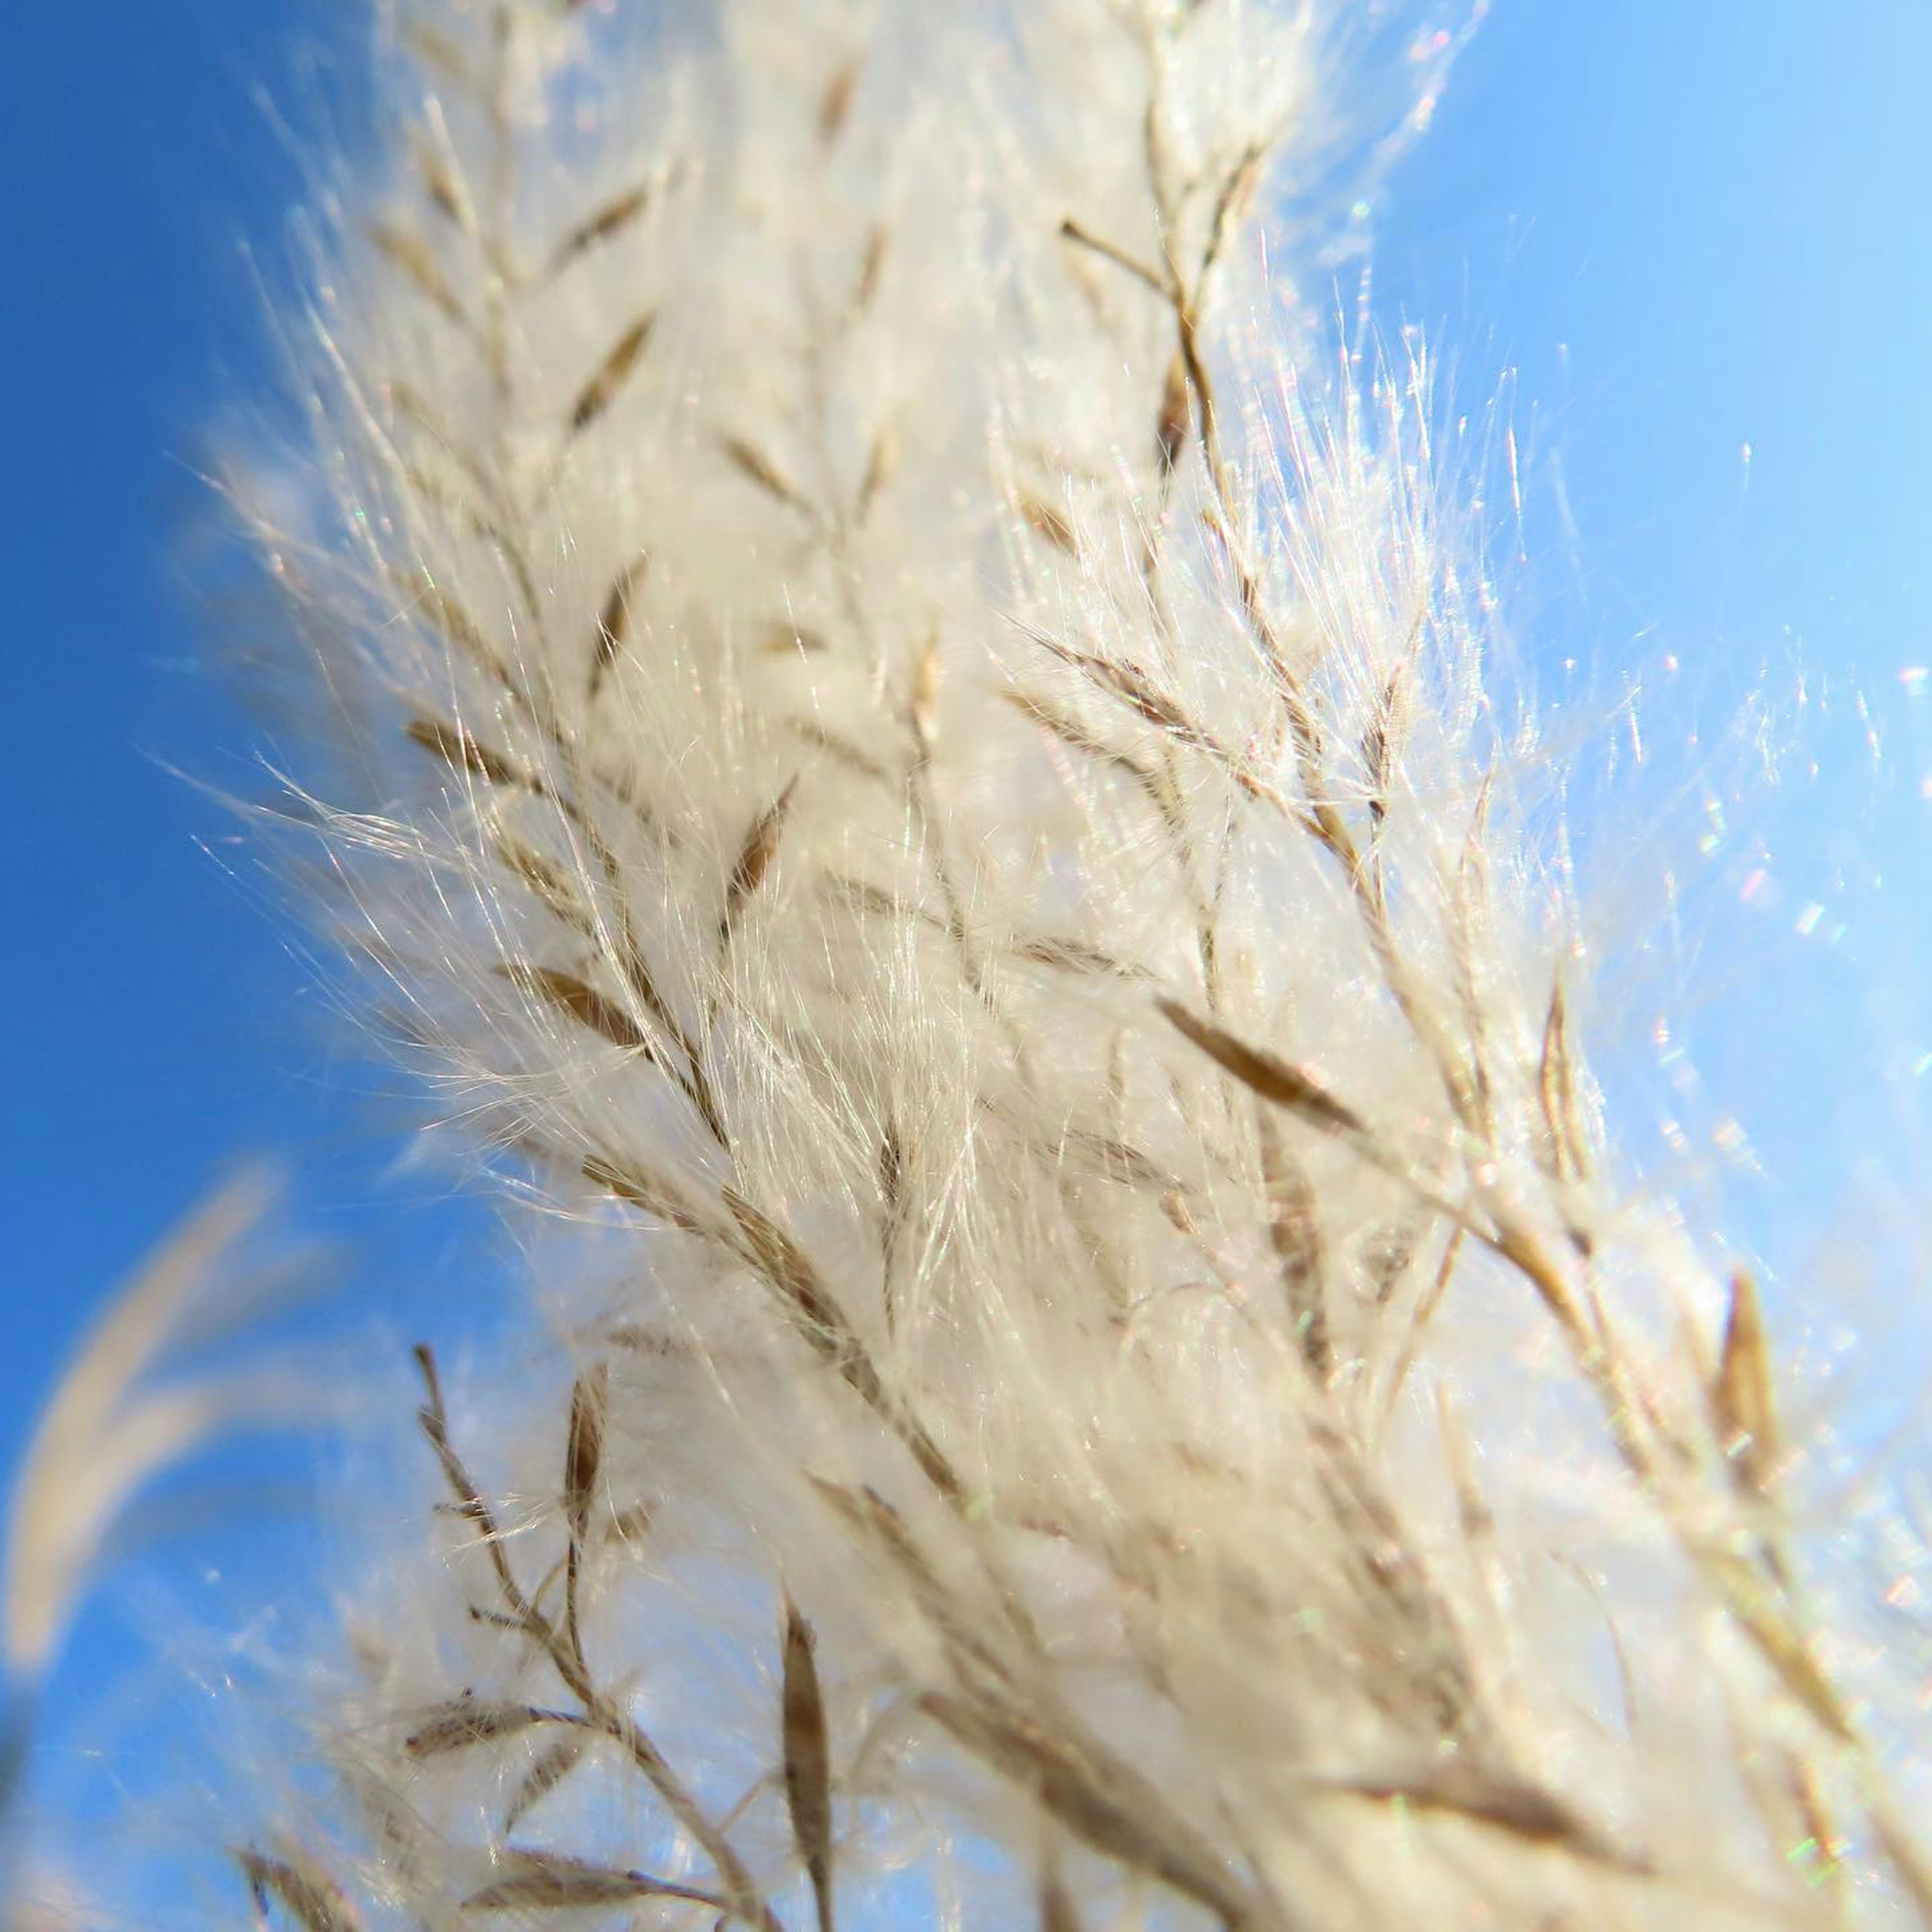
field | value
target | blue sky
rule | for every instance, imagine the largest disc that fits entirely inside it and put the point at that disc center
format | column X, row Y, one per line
column 1686, row 226
column 156, row 1026
column 164, row 1028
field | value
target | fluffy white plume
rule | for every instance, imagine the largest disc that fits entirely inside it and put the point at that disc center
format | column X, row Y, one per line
column 926, row 787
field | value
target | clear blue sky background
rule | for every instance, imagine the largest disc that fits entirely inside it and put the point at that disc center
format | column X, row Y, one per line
column 155, row 1027
column 1688, row 225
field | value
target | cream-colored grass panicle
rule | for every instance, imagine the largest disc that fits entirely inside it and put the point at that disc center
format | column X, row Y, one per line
column 118, row 1419
column 936, row 805
column 149, row 1390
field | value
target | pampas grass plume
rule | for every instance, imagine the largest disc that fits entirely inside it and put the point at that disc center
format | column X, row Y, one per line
column 922, row 767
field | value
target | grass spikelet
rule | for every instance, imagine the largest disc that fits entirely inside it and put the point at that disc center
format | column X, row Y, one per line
column 756, row 467
column 533, row 1880
column 312, row 1900
column 1294, row 1234
column 1742, row 1399
column 1520, row 1810
column 1557, row 1088
column 411, row 255
column 588, row 1008
column 808, row 1762
column 748, row 870
column 835, row 106
column 547, row 880
column 608, row 222
column 461, row 751
column 440, row 55
column 463, row 1722
column 583, row 1456
column 1057, row 1911
column 597, row 394
column 1299, row 1090
column 548, row 1770
column 1049, row 523
column 613, row 621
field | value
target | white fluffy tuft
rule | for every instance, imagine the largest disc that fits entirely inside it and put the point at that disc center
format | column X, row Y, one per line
column 930, row 791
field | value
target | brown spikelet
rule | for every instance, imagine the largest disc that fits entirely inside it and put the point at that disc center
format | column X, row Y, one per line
column 1121, row 679
column 835, row 106
column 1557, row 1091
column 1133, row 687
column 596, row 395
column 1297, row 1088
column 452, row 622
column 1814, row 1841
column 584, row 1453
column 581, row 1002
column 1117, row 1159
column 1057, row 1910
column 1382, row 754
column 461, row 751
column 1468, row 924
column 928, row 676
column 632, row 1524
column 548, row 1769
column 778, row 640
column 544, row 877
column 783, row 1264
column 848, row 755
column 437, row 184
column 613, row 620
column 437, row 51
column 583, row 1456
column 892, row 1170
column 410, row 255
column 1075, row 955
column 1388, row 1261
column 871, row 266
column 752, row 463
column 309, row 1896
column 463, row 1721
column 754, row 862
column 532, row 1880
column 611, row 219
column 1742, row 1406
column 807, row 1765
column 1046, row 521
column 879, row 467
column 1294, row 1234
column 1503, row 1803
column 873, row 900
